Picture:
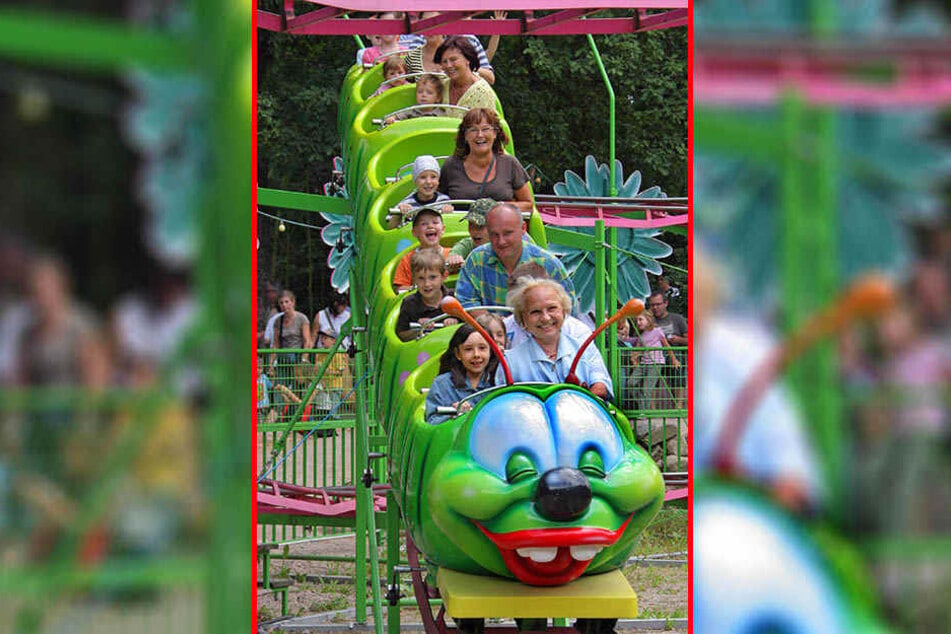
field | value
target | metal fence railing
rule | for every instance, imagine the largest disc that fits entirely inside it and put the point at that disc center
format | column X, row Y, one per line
column 653, row 392
column 305, row 421
column 100, row 496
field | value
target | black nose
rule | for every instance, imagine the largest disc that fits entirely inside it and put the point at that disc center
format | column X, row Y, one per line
column 563, row 494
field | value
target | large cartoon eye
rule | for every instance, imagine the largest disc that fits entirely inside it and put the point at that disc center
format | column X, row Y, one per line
column 591, row 464
column 519, row 467
column 757, row 572
column 579, row 424
column 512, row 423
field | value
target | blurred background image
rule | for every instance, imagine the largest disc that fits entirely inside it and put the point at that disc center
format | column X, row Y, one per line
column 124, row 286
column 821, row 193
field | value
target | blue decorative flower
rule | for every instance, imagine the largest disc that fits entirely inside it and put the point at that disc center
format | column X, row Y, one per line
column 338, row 234
column 638, row 249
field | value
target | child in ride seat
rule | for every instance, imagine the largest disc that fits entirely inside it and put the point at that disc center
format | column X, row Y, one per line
column 393, row 67
column 426, row 178
column 429, row 275
column 494, row 325
column 466, row 367
column 429, row 90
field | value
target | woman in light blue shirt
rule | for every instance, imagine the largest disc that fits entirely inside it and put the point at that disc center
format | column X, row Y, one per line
column 540, row 307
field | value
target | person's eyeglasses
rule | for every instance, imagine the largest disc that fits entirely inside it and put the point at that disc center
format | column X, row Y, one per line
column 484, row 130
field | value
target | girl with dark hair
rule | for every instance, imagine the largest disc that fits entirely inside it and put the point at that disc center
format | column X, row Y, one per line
column 460, row 63
column 466, row 367
column 479, row 166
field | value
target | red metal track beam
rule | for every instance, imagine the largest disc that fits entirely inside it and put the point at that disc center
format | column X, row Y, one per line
column 461, row 22
column 443, row 19
column 665, row 20
column 320, row 15
column 534, row 26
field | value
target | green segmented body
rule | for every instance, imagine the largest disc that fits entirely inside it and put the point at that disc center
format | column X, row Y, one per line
column 436, row 468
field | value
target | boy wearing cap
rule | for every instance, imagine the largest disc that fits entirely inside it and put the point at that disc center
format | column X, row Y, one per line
column 428, row 228
column 426, row 178
column 478, row 234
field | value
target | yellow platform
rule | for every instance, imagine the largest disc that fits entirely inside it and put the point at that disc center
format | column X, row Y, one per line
column 607, row 595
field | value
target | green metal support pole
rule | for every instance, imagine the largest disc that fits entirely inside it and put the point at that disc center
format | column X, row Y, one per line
column 614, row 359
column 392, row 557
column 223, row 54
column 358, row 315
column 607, row 83
column 816, row 375
column 599, row 275
column 829, row 409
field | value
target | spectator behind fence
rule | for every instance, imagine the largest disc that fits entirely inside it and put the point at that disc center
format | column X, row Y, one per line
column 328, row 322
column 429, row 274
column 263, row 386
column 466, row 367
column 429, row 91
column 60, row 347
column 428, row 228
column 478, row 235
column 483, row 280
column 15, row 260
column 540, row 307
column 515, row 334
column 479, row 166
column 465, row 87
column 426, row 179
column 674, row 327
column 648, row 363
column 149, row 326
column 291, row 330
column 393, row 69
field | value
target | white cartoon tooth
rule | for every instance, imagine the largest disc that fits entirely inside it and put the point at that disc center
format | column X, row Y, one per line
column 538, row 555
column 585, row 553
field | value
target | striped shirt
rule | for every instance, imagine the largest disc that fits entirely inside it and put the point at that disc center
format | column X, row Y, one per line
column 413, row 40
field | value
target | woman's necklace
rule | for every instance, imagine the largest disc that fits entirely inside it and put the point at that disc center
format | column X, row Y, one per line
column 456, row 92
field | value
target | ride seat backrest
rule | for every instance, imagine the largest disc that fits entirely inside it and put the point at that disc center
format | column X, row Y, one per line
column 380, row 106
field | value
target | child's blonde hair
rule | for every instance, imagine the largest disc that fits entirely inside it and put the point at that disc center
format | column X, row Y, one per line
column 649, row 316
column 394, row 62
column 426, row 260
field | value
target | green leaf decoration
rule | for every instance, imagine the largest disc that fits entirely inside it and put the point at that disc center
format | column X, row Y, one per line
column 638, row 249
column 338, row 233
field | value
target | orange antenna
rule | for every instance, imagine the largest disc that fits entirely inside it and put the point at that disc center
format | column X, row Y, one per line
column 629, row 309
column 451, row 306
column 868, row 297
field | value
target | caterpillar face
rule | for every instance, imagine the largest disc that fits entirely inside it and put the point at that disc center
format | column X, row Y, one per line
column 543, row 484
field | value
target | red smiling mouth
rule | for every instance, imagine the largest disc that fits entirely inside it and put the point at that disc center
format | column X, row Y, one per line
column 551, row 556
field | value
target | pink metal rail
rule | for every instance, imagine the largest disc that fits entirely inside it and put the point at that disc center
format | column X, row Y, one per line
column 881, row 73
column 583, row 212
column 569, row 17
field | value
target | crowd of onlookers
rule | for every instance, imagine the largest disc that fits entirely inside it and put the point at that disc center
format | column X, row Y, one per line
column 81, row 378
